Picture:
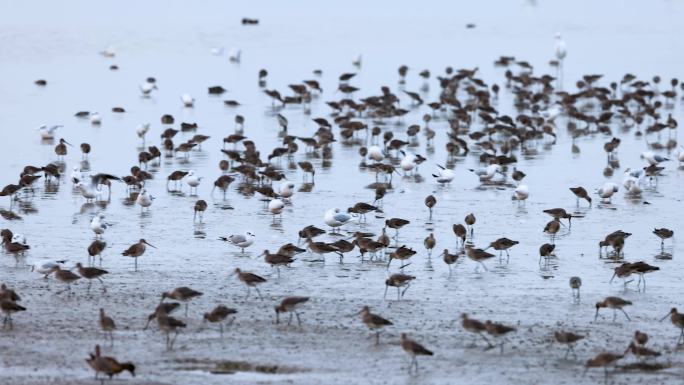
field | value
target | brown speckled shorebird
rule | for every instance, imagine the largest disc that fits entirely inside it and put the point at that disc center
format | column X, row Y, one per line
column 470, row 222
column 546, row 252
column 307, row 168
column 413, row 349
column 85, row 150
column 449, row 258
column 603, row 360
column 91, row 273
column 640, row 338
column 67, row 277
column 136, row 250
column 552, row 228
column 290, row 305
column 374, row 322
column 396, row 224
column 429, row 242
column 498, row 330
column 641, row 352
column 663, row 234
column 460, row 232
column 569, row 339
column 478, row 255
column 9, row 307
column 474, row 326
column 501, row 245
column 164, row 307
column 615, row 303
column 401, row 253
column 398, row 281
column 677, row 320
column 581, row 193
column 200, row 208
column 430, row 202
column 277, row 260
column 250, row 280
column 182, row 294
column 219, row 315
column 95, row 250
column 108, row 366
column 107, row 325
column 168, row 325
column 575, row 285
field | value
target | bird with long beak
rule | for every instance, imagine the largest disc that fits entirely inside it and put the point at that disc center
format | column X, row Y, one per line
column 136, row 250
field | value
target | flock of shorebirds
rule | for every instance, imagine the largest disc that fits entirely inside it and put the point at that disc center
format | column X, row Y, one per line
column 476, row 128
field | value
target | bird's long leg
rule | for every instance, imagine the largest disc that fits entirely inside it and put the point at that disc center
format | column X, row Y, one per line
column 299, row 321
column 625, row 313
column 258, row 292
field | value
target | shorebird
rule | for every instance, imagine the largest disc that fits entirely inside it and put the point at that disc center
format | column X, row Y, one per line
column 401, row 253
column 663, row 234
column 575, row 285
column 108, row 366
column 250, row 280
column 615, row 303
column 61, row 148
column 546, row 251
column 478, row 255
column 362, row 209
column 182, row 294
column 95, row 249
column 640, row 338
column 413, row 349
column 240, row 240
column 498, row 330
column 641, row 351
column 175, row 177
column 398, row 281
column 144, row 199
column 235, row 55
column 460, row 232
column 136, row 250
column 677, row 320
column 501, row 245
column 569, row 339
column 470, row 222
column 9, row 307
column 374, row 322
column 335, row 218
column 219, row 315
column 429, row 242
column 449, row 258
column 85, row 150
column 307, row 168
column 162, row 308
column 396, row 224
column 430, row 202
column 168, row 324
column 444, row 175
column 603, row 360
column 98, row 225
column 559, row 213
column 107, row 325
column 91, row 273
column 46, row 266
column 552, row 228
column 277, row 260
column 581, row 193
column 474, row 326
column 65, row 276
column 200, row 207
column 290, row 305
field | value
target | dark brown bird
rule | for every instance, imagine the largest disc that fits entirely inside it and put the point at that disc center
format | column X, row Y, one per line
column 85, row 150
column 307, row 168
column 470, row 222
column 501, row 245
column 413, row 349
column 498, row 330
column 219, row 315
column 396, row 224
column 61, row 149
column 430, row 202
column 290, row 305
column 460, row 232
column 91, row 273
column 107, row 325
column 478, row 255
column 277, row 260
column 136, row 250
column 569, row 339
column 65, row 276
column 603, row 360
column 399, row 280
column 175, row 176
column 474, row 326
column 663, row 234
column 251, row 280
column 168, row 324
column 615, row 303
column 108, row 366
column 95, row 250
column 640, row 338
column 429, row 242
column 449, row 258
column 9, row 307
column 182, row 294
column 552, row 228
column 200, row 207
column 546, row 251
column 581, row 193
column 374, row 322
column 401, row 253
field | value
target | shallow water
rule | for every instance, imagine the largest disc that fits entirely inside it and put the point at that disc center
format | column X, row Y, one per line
column 172, row 43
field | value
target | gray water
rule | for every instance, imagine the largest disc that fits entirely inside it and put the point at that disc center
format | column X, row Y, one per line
column 172, row 40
